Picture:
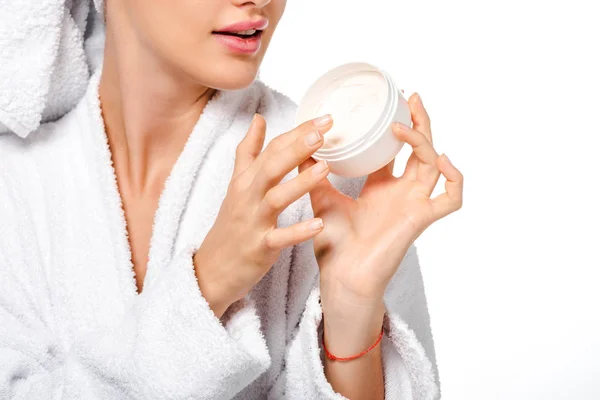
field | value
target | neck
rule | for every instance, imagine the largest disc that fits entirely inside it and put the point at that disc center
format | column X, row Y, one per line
column 149, row 110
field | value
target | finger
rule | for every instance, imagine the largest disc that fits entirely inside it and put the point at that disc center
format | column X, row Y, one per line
column 280, row 238
column 421, row 147
column 281, row 196
column 309, row 162
column 250, row 147
column 419, row 116
column 323, row 124
column 276, row 162
column 323, row 195
column 452, row 200
column 417, row 171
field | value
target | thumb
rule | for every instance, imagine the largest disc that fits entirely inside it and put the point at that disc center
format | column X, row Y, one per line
column 420, row 116
column 251, row 146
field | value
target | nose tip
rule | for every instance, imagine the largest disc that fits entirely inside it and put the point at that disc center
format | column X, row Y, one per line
column 255, row 3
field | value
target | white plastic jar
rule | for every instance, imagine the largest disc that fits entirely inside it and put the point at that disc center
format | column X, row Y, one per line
column 363, row 102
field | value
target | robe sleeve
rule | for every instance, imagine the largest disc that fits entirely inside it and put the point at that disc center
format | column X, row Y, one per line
column 168, row 345
column 409, row 361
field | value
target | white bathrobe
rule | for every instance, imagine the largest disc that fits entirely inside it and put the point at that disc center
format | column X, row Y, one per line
column 72, row 325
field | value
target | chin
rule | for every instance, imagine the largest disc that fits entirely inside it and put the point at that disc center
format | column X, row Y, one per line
column 225, row 71
column 232, row 73
column 234, row 80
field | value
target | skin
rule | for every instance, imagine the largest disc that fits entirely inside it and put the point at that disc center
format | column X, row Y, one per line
column 365, row 240
column 154, row 86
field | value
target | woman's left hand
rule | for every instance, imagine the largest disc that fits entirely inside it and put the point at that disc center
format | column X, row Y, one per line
column 364, row 241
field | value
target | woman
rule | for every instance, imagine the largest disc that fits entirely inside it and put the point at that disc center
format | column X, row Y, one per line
column 156, row 247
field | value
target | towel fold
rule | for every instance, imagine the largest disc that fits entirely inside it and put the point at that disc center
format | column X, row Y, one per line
column 71, row 324
column 48, row 49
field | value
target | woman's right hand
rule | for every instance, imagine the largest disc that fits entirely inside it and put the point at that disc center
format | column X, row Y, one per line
column 245, row 241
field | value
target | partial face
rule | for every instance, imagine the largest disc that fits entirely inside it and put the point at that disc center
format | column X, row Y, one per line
column 219, row 43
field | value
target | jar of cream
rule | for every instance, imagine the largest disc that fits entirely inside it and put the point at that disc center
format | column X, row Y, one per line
column 363, row 102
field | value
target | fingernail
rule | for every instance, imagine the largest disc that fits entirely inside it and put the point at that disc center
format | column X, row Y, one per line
column 313, row 138
column 402, row 126
column 316, row 224
column 447, row 159
column 419, row 98
column 253, row 119
column 320, row 167
column 322, row 121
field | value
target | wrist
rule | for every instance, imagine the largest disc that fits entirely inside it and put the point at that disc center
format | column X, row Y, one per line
column 216, row 295
column 355, row 320
column 351, row 327
column 217, row 304
column 342, row 304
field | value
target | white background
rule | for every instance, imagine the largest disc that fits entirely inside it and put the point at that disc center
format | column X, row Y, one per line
column 513, row 91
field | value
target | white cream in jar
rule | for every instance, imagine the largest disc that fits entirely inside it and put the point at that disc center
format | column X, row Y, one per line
column 363, row 101
column 355, row 103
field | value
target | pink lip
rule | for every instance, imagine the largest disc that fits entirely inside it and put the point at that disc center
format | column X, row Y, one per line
column 240, row 45
column 259, row 25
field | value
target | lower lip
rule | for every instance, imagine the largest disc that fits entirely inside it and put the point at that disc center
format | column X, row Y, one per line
column 240, row 45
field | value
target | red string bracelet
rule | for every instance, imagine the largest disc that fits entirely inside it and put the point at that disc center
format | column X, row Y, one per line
column 335, row 358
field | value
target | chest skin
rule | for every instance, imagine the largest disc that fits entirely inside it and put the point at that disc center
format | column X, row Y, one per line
column 139, row 214
column 139, row 210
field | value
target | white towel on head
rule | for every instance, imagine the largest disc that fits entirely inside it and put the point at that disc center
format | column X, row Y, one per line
column 47, row 50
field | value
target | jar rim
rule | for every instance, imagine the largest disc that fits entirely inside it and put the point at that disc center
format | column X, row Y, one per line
column 371, row 135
